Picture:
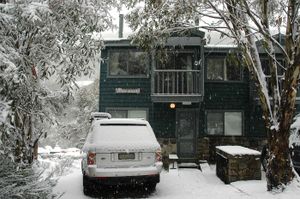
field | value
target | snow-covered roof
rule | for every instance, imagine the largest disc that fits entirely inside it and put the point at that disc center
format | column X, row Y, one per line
column 221, row 46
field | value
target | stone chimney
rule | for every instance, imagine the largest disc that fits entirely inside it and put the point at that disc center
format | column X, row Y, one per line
column 121, row 24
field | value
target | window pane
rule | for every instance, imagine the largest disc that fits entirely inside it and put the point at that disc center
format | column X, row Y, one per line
column 176, row 60
column 186, row 147
column 118, row 63
column 118, row 113
column 266, row 67
column 215, row 69
column 137, row 114
column 166, row 61
column 233, row 123
column 137, row 63
column 280, row 67
column 215, row 123
column 184, row 61
column 233, row 71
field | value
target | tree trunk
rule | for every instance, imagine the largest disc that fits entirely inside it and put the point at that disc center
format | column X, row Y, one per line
column 279, row 170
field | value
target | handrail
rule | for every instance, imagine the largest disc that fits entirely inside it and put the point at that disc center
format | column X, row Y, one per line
column 176, row 82
column 175, row 70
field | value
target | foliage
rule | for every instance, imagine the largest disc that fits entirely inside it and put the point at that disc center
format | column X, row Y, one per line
column 23, row 183
column 73, row 121
column 42, row 39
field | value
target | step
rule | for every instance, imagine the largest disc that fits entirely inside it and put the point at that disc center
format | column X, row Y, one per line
column 188, row 165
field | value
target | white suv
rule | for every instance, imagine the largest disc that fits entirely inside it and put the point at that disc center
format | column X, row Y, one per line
column 121, row 151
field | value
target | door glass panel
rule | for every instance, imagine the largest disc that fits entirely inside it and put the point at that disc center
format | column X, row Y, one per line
column 185, row 128
column 186, row 147
column 186, row 133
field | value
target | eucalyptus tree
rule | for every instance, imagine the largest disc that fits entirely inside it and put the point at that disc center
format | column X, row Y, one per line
column 245, row 21
column 40, row 39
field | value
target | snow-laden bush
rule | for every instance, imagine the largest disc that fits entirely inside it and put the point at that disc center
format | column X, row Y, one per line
column 55, row 165
column 24, row 182
column 34, row 181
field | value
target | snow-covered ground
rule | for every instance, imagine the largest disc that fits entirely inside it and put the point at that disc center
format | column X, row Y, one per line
column 178, row 183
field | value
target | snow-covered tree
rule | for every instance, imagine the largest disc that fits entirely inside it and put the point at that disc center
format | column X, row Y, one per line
column 86, row 101
column 42, row 39
column 246, row 21
column 73, row 122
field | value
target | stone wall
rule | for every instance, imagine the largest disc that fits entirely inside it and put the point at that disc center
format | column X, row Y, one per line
column 231, row 168
column 168, row 146
column 207, row 145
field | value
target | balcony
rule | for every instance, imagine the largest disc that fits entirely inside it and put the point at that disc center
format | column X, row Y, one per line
column 170, row 85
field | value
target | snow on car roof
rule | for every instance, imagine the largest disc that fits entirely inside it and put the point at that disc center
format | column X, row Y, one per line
column 118, row 134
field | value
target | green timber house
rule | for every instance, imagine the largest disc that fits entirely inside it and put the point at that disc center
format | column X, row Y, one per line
column 194, row 100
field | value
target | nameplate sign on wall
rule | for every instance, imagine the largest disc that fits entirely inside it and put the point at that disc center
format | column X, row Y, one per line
column 128, row 90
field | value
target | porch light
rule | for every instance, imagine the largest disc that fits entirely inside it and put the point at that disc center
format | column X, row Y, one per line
column 172, row 106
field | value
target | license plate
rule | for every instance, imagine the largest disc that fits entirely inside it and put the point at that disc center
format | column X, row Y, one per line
column 126, row 156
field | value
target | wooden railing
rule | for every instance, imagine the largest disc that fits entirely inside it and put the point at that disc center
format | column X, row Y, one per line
column 176, row 82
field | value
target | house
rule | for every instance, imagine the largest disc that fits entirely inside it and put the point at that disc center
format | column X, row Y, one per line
column 197, row 97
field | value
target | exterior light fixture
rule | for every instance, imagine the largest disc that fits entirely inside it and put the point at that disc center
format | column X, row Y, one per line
column 172, row 106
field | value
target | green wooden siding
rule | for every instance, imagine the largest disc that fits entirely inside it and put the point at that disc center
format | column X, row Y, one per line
column 108, row 97
column 220, row 95
column 163, row 120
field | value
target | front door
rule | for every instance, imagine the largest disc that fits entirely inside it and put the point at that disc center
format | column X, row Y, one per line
column 186, row 131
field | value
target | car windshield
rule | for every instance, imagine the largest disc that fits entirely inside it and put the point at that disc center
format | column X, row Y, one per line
column 122, row 132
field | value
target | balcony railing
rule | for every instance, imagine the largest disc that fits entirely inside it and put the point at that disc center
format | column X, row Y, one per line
column 176, row 82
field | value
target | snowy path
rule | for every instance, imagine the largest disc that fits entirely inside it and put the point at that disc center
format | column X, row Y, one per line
column 182, row 183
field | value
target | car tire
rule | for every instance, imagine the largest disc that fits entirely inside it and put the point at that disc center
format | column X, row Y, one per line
column 87, row 186
column 150, row 187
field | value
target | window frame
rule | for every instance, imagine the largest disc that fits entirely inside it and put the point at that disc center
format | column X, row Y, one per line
column 280, row 76
column 127, row 50
column 278, row 60
column 298, row 95
column 129, row 109
column 223, row 114
column 224, row 70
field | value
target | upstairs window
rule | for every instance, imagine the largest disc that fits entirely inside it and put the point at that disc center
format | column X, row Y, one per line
column 128, row 63
column 267, row 70
column 265, row 64
column 176, row 60
column 222, row 69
